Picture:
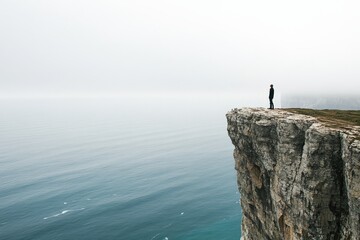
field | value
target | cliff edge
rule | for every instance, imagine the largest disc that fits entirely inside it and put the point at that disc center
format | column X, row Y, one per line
column 299, row 178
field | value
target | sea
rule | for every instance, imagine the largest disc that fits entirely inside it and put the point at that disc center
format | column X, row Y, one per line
column 129, row 168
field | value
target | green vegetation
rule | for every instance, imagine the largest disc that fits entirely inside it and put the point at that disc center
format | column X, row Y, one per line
column 334, row 118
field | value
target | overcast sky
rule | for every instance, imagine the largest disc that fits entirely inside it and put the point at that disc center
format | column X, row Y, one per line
column 114, row 46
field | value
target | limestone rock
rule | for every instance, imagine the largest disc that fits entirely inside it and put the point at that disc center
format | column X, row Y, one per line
column 298, row 178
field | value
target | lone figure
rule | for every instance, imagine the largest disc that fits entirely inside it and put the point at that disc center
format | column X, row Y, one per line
column 271, row 96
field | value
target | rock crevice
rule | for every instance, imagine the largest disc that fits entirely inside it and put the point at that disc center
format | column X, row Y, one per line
column 298, row 178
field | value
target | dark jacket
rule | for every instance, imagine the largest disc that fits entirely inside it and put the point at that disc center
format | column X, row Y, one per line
column 271, row 94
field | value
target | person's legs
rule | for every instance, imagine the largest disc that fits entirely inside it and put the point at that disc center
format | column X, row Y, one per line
column 271, row 104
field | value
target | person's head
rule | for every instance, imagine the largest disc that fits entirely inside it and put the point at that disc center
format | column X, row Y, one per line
column 271, row 85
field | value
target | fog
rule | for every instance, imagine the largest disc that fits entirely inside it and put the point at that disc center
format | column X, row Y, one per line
column 94, row 47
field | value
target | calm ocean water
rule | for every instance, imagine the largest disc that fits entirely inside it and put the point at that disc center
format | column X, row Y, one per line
column 117, row 169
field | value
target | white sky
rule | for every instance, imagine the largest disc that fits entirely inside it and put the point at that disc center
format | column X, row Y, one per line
column 108, row 46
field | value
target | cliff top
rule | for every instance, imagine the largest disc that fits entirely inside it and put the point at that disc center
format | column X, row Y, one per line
column 334, row 118
column 347, row 120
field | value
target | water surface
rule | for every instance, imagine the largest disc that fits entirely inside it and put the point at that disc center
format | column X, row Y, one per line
column 124, row 168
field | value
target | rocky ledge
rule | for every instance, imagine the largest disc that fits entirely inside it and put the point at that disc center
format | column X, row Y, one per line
column 298, row 177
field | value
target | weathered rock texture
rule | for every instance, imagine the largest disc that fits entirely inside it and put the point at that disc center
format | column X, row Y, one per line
column 298, row 179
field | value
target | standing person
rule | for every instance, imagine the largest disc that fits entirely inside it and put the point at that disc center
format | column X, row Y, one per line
column 271, row 96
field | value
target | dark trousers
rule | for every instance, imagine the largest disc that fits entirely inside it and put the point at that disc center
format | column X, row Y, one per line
column 271, row 103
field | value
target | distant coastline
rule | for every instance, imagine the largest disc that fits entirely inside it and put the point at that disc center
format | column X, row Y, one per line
column 321, row 101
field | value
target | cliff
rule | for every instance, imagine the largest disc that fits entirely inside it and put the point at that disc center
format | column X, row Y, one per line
column 299, row 178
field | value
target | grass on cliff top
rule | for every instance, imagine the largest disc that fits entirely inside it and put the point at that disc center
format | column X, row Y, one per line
column 335, row 118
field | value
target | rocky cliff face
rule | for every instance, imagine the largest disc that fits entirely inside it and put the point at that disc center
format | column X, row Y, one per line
column 298, row 179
